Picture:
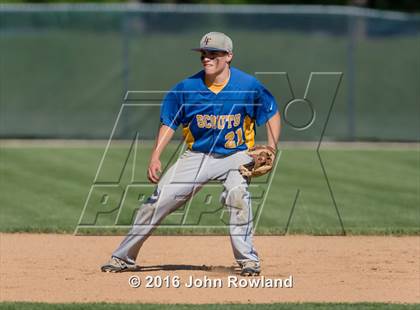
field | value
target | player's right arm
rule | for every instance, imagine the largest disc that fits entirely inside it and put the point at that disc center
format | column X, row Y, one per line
column 164, row 136
column 170, row 118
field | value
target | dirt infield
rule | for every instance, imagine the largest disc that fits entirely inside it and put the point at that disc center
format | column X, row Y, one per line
column 65, row 268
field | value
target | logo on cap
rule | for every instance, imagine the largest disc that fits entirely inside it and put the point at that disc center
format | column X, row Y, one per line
column 215, row 41
column 206, row 40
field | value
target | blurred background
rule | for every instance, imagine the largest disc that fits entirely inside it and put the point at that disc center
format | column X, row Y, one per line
column 65, row 68
column 402, row 5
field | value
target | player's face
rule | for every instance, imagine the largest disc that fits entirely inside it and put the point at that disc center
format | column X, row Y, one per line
column 215, row 62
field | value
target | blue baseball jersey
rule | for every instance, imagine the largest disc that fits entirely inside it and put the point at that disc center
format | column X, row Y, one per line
column 221, row 123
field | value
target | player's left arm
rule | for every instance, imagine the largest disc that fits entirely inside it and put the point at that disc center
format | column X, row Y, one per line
column 266, row 112
column 273, row 126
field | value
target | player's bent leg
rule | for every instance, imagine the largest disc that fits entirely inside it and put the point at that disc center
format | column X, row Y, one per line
column 175, row 187
column 140, row 231
column 241, row 230
column 237, row 199
column 164, row 201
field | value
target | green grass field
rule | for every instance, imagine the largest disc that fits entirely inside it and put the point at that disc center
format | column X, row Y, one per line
column 277, row 306
column 44, row 189
column 80, row 65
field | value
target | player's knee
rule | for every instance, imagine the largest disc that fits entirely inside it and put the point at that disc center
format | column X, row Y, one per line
column 148, row 209
column 237, row 197
column 146, row 214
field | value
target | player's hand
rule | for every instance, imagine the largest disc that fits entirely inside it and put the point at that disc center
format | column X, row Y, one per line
column 154, row 170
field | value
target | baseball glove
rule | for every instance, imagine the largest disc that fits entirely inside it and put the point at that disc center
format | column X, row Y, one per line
column 263, row 159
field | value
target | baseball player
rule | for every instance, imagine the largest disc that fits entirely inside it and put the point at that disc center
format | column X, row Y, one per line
column 217, row 108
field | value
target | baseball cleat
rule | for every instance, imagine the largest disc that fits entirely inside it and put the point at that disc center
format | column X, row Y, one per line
column 118, row 265
column 250, row 268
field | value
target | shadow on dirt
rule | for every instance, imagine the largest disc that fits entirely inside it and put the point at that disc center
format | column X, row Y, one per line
column 221, row 269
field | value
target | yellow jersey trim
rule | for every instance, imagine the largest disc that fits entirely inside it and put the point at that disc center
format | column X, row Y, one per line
column 249, row 131
column 188, row 136
column 217, row 87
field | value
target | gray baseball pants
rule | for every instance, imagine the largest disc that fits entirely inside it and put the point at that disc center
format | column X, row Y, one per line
column 191, row 172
